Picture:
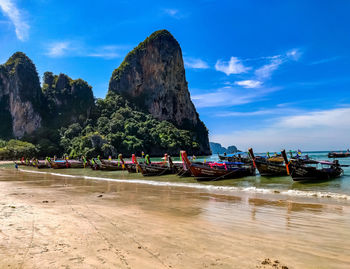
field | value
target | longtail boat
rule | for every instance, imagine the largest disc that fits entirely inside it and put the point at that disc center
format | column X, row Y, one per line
column 42, row 164
column 218, row 171
column 338, row 154
column 77, row 164
column 309, row 170
column 268, row 166
column 236, row 157
column 60, row 164
column 157, row 169
column 134, row 166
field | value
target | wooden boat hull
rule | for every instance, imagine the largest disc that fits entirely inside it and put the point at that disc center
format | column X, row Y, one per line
column 41, row 165
column 132, row 167
column 305, row 173
column 105, row 168
column 338, row 155
column 270, row 169
column 156, row 170
column 203, row 173
column 77, row 164
column 59, row 165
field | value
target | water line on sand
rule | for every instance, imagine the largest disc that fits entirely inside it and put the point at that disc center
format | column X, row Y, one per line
column 293, row 193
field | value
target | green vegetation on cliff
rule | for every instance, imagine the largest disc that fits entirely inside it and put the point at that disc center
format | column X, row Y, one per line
column 117, row 126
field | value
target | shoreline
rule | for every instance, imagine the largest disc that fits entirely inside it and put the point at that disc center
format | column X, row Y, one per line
column 273, row 194
column 6, row 162
column 122, row 225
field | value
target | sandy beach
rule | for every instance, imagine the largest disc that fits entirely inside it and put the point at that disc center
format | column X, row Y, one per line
column 5, row 162
column 61, row 222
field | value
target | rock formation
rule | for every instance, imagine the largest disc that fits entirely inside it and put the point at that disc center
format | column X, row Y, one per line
column 68, row 100
column 153, row 77
column 216, row 148
column 24, row 107
column 20, row 96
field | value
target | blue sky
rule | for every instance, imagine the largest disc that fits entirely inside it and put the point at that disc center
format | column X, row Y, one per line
column 268, row 74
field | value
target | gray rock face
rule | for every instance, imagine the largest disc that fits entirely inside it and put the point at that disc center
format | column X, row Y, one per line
column 21, row 95
column 153, row 77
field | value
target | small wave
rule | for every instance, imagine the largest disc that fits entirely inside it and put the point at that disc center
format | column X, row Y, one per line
column 252, row 189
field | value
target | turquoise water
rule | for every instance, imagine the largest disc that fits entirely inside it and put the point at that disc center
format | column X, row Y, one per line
column 337, row 188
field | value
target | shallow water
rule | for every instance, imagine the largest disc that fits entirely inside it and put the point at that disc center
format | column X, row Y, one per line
column 242, row 227
column 336, row 189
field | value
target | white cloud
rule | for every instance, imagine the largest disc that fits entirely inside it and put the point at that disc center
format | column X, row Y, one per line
column 326, row 60
column 327, row 118
column 195, row 63
column 229, row 96
column 294, row 54
column 266, row 70
column 171, row 12
column 249, row 83
column 58, row 49
column 106, row 52
column 321, row 130
column 234, row 66
column 76, row 49
column 15, row 15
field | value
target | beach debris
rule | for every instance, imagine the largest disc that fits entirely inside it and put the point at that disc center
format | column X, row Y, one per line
column 99, row 196
column 45, row 201
column 267, row 263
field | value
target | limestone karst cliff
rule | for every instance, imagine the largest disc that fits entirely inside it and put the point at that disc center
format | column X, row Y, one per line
column 153, row 77
column 68, row 101
column 25, row 107
column 20, row 97
column 147, row 108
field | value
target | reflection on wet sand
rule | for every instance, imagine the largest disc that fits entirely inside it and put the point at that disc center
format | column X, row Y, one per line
column 51, row 221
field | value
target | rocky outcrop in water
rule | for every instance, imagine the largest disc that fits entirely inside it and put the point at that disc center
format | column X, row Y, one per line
column 216, row 148
column 153, row 77
column 21, row 98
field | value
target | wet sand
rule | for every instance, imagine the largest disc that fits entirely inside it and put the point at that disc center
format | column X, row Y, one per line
column 60, row 222
column 5, row 162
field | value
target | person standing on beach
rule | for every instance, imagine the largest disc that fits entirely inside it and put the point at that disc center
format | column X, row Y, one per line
column 16, row 166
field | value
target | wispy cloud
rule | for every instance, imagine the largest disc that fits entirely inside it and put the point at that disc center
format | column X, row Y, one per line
column 195, row 63
column 229, row 96
column 266, row 70
column 106, row 52
column 294, row 54
column 308, row 131
column 234, row 66
column 326, row 60
column 249, row 83
column 58, row 49
column 9, row 8
column 171, row 12
column 77, row 49
column 261, row 112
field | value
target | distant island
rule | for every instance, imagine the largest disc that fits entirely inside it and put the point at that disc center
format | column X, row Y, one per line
column 147, row 108
column 216, row 148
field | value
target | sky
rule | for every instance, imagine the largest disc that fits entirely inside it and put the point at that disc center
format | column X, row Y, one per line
column 262, row 74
